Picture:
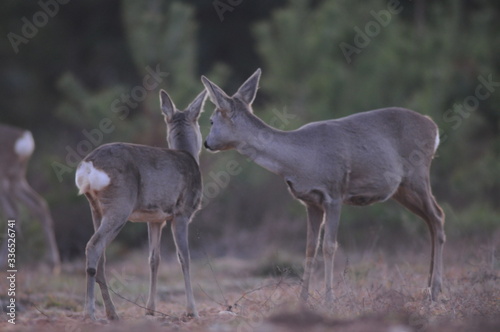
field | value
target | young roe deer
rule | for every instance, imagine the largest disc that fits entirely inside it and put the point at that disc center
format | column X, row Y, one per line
column 17, row 146
column 144, row 184
column 358, row 160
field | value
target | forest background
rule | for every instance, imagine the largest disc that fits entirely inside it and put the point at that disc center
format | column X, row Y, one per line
column 83, row 73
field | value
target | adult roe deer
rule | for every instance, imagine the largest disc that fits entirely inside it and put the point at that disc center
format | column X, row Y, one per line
column 358, row 160
column 144, row 184
column 17, row 146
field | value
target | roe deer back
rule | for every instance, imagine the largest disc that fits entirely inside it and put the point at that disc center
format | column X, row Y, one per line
column 144, row 184
column 358, row 160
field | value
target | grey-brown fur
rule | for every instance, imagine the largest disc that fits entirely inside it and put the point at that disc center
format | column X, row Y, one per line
column 358, row 160
column 168, row 171
column 146, row 184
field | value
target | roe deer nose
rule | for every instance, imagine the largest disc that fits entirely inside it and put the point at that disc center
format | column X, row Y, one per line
column 206, row 145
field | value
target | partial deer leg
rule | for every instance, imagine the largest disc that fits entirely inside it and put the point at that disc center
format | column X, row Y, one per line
column 314, row 219
column 417, row 197
column 154, row 232
column 332, row 216
column 38, row 206
column 9, row 209
column 110, row 226
column 180, row 231
column 101, row 269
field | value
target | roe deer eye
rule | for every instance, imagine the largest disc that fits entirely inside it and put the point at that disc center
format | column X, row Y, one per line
column 211, row 122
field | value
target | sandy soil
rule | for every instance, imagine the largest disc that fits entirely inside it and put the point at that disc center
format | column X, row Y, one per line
column 373, row 292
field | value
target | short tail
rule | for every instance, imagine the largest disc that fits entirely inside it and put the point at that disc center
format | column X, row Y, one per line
column 88, row 178
column 25, row 145
column 436, row 142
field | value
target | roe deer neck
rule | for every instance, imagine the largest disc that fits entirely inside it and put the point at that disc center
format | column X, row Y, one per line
column 185, row 143
column 266, row 146
column 191, row 150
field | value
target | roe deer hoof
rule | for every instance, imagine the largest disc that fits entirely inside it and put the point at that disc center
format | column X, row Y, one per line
column 88, row 317
column 56, row 270
column 193, row 314
column 303, row 297
column 329, row 298
column 113, row 316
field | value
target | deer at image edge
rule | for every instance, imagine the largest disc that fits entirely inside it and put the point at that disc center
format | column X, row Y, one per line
column 15, row 151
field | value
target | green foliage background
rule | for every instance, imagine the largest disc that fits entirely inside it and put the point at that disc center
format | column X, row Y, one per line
column 428, row 57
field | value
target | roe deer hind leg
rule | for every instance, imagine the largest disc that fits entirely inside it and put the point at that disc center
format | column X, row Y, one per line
column 103, row 284
column 180, row 231
column 107, row 231
column 10, row 212
column 38, row 206
column 437, row 215
column 101, row 265
column 154, row 234
column 418, row 199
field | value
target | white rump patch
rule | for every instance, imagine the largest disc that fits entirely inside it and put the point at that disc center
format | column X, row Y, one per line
column 88, row 178
column 436, row 143
column 25, row 145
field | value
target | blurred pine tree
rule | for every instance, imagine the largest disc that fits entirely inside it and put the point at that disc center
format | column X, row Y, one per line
column 329, row 59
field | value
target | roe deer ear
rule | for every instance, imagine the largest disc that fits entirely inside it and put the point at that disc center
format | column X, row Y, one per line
column 221, row 100
column 196, row 107
column 248, row 90
column 167, row 105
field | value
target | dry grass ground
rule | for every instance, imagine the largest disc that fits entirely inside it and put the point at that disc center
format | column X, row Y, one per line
column 374, row 291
